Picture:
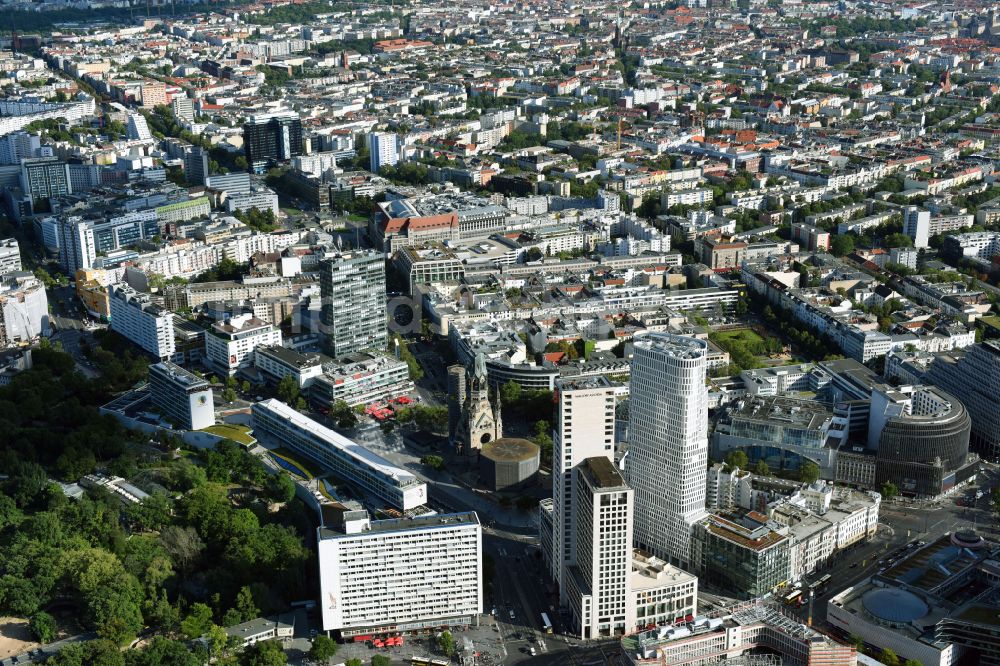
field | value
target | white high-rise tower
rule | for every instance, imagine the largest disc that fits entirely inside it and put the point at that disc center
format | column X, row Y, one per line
column 584, row 428
column 668, row 442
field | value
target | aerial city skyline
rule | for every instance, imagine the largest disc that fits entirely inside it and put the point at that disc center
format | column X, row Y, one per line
column 500, row 333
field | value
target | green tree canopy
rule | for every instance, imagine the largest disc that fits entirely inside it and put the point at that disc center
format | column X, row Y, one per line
column 738, row 458
column 323, row 648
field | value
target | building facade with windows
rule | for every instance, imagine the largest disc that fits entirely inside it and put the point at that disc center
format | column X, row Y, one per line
column 747, row 555
column 269, row 139
column 347, row 459
column 596, row 580
column 229, row 345
column 181, row 395
column 668, row 455
column 584, row 428
column 399, row 575
column 145, row 324
column 973, row 376
column 360, row 379
column 353, row 310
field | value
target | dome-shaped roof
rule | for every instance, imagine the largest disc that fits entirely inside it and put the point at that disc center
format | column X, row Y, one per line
column 894, row 605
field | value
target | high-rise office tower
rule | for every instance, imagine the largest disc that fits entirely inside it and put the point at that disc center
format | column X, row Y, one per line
column 383, row 150
column 917, row 225
column 183, row 107
column 196, row 165
column 973, row 376
column 584, row 428
column 272, row 138
column 77, row 247
column 597, row 581
column 353, row 310
column 19, row 145
column 668, row 442
column 45, row 177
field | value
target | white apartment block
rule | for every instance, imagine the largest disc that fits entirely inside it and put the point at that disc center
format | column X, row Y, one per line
column 10, row 256
column 917, row 225
column 977, row 245
column 597, row 580
column 668, row 455
column 136, row 317
column 229, row 345
column 694, row 197
column 400, row 575
column 584, row 428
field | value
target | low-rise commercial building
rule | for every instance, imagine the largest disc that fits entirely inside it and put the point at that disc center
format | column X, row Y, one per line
column 733, row 633
column 360, row 378
column 748, row 555
column 347, row 459
column 660, row 594
column 275, row 362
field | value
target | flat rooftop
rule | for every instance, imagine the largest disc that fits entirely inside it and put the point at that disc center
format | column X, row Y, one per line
column 178, row 374
column 409, row 523
column 603, row 474
column 291, row 357
column 678, row 346
column 400, row 476
column 583, row 383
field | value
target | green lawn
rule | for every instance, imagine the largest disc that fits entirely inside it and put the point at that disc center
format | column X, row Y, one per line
column 744, row 335
column 237, row 433
column 992, row 321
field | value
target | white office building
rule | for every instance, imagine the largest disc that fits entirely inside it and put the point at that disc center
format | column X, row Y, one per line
column 19, row 145
column 137, row 129
column 597, row 580
column 77, row 248
column 347, row 459
column 10, row 256
column 182, row 396
column 917, row 225
column 399, row 575
column 263, row 200
column 668, row 453
column 383, row 149
column 584, row 428
column 275, row 363
column 136, row 317
column 183, row 107
column 229, row 345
